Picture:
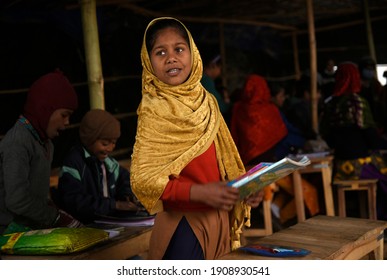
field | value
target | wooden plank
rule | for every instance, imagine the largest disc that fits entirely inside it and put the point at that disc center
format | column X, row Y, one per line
column 121, row 249
column 327, row 237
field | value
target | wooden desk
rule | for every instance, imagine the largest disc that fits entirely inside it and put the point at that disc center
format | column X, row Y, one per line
column 321, row 165
column 328, row 238
column 131, row 242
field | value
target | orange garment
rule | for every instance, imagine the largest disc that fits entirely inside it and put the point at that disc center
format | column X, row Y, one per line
column 268, row 192
column 284, row 199
column 256, row 123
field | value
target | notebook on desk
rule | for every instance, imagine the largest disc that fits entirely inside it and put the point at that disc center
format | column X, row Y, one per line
column 127, row 218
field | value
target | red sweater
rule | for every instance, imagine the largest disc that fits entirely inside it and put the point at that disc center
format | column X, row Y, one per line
column 202, row 169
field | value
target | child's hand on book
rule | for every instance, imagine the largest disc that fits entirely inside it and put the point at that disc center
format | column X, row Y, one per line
column 217, row 194
column 255, row 199
column 126, row 206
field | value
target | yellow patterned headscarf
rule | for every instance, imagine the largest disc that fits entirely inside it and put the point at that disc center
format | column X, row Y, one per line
column 175, row 125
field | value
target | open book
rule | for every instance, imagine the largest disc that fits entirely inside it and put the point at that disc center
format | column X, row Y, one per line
column 266, row 173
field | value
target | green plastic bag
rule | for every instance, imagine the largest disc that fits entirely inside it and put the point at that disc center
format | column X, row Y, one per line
column 51, row 241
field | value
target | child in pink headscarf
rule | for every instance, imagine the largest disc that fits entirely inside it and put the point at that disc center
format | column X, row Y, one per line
column 350, row 129
column 26, row 154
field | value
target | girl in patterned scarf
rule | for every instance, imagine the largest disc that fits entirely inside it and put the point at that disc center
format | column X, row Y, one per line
column 184, row 153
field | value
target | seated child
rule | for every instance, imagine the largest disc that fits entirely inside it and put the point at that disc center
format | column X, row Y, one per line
column 92, row 183
column 26, row 154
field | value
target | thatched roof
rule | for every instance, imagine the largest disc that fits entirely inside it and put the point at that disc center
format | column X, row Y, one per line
column 281, row 14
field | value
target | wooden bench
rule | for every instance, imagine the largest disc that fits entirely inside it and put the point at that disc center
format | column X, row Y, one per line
column 369, row 185
column 328, row 238
column 322, row 165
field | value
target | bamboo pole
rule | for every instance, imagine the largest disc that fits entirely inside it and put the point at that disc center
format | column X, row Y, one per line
column 370, row 38
column 92, row 53
column 313, row 65
column 295, row 56
column 223, row 54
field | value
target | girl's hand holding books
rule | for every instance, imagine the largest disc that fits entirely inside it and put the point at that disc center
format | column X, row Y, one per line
column 255, row 199
column 217, row 195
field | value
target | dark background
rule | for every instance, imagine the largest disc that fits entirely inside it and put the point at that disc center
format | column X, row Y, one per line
column 36, row 38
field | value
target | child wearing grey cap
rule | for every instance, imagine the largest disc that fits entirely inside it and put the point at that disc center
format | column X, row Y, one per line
column 91, row 182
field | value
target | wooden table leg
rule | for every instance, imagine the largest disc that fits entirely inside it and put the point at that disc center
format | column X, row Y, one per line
column 299, row 196
column 327, row 185
column 379, row 252
column 372, row 201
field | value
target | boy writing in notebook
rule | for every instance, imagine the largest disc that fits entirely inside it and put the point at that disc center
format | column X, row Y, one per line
column 92, row 183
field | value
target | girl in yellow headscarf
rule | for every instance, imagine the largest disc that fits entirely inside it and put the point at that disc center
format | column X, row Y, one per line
column 184, row 154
